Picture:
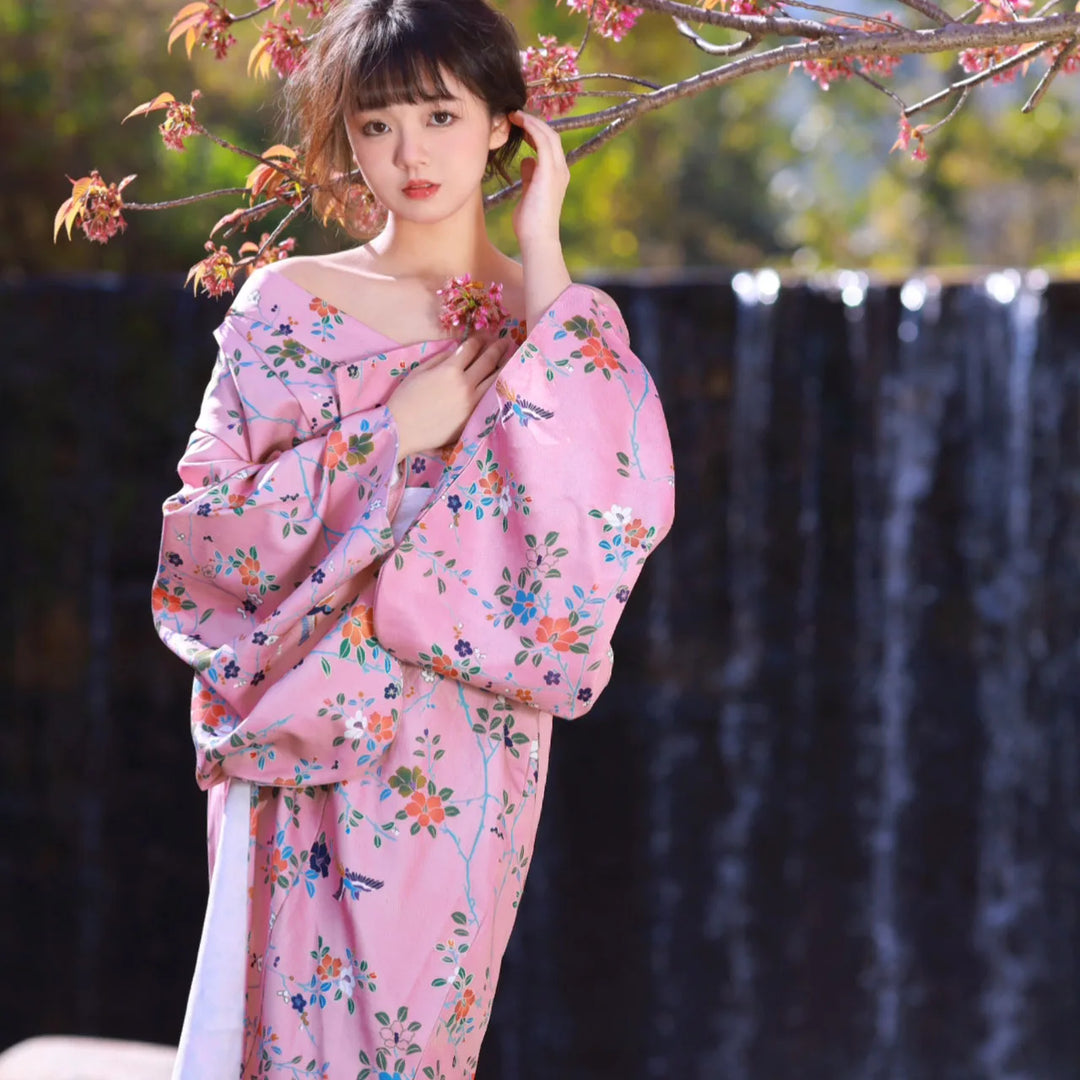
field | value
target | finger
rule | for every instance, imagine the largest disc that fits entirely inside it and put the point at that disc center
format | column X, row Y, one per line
column 466, row 353
column 537, row 131
column 491, row 359
column 483, row 341
column 484, row 385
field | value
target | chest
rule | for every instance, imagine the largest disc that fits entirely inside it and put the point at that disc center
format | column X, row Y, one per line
column 401, row 311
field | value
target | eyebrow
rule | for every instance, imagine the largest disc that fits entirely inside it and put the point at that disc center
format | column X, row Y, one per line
column 423, row 101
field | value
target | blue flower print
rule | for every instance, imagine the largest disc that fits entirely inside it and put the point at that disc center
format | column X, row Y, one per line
column 524, row 606
column 584, row 694
column 204, row 510
column 391, row 691
column 320, row 858
column 552, row 678
column 463, row 649
column 232, row 669
column 453, row 502
column 318, row 577
column 298, row 1002
column 623, row 594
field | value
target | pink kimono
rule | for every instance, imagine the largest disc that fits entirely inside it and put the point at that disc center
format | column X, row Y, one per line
column 378, row 653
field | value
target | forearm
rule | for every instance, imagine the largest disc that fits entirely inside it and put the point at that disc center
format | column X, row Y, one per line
column 545, row 277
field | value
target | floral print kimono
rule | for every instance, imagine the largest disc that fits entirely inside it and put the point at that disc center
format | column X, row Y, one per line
column 378, row 653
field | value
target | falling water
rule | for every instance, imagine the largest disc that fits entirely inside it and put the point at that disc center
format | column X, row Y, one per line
column 742, row 733
column 912, row 404
column 1015, row 782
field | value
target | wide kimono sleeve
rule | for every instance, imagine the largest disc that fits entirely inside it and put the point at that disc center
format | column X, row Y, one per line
column 515, row 576
column 279, row 511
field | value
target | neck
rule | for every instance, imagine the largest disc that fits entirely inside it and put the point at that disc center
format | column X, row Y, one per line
column 433, row 252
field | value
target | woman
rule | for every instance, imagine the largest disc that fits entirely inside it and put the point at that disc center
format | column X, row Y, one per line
column 394, row 556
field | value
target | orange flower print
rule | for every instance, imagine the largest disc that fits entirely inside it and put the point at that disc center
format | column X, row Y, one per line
column 250, row 571
column 163, row 600
column 523, row 695
column 236, row 501
column 556, row 633
column 336, row 449
column 635, row 533
column 322, row 308
column 380, row 727
column 461, row 1009
column 519, row 333
column 443, row 665
column 449, row 454
column 427, row 809
column 278, row 865
column 329, row 968
column 360, row 627
column 492, row 484
column 211, row 709
column 595, row 350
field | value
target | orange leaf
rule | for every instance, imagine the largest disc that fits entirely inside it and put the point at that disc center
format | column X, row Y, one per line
column 162, row 101
column 230, row 218
column 260, row 59
column 186, row 21
column 280, row 150
column 62, row 219
column 197, row 272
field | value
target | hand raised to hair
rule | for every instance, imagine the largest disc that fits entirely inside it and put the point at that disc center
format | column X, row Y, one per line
column 544, row 180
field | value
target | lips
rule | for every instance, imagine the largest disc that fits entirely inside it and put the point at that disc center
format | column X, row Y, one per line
column 420, row 189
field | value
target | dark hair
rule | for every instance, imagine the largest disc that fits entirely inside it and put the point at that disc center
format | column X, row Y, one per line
column 368, row 54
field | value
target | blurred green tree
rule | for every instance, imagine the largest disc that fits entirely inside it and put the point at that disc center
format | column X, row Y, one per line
column 766, row 169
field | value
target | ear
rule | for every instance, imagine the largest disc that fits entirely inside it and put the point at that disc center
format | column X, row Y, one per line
column 500, row 131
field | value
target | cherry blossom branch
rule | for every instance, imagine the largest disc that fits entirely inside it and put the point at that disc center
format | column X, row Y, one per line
column 599, row 75
column 849, row 43
column 930, row 10
column 243, row 152
column 187, row 200
column 1060, row 61
column 979, row 77
column 282, row 225
column 842, row 14
column 732, row 49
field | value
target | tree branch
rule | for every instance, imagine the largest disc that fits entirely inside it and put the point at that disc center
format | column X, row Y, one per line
column 187, row 200
column 708, row 47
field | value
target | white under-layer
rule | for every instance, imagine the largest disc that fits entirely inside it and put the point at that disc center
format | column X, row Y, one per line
column 212, row 1039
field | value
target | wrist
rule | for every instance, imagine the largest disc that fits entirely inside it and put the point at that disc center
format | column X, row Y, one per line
column 543, row 245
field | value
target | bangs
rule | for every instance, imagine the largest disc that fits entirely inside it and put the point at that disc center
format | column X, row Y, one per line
column 396, row 71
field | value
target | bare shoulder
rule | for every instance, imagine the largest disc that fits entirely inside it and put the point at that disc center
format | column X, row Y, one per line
column 309, row 270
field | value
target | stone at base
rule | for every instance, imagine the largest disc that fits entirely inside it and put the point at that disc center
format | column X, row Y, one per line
column 70, row 1057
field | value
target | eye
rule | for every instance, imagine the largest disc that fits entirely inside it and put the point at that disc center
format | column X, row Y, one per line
column 447, row 118
column 367, row 129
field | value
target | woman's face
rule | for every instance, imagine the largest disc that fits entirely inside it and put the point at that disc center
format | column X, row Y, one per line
column 425, row 161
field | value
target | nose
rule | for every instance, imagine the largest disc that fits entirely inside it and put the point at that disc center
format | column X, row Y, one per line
column 411, row 149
